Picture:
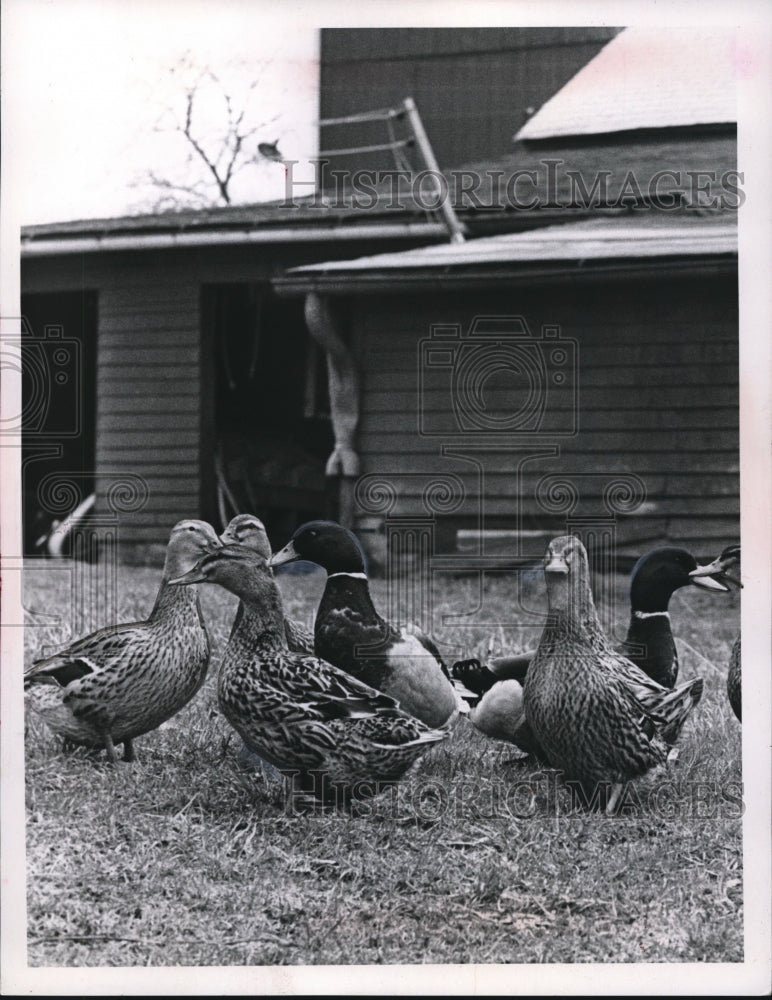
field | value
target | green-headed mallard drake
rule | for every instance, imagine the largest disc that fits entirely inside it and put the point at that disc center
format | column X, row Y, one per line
column 249, row 530
column 349, row 632
column 339, row 739
column 718, row 570
column 655, row 578
column 649, row 642
column 597, row 717
column 125, row 680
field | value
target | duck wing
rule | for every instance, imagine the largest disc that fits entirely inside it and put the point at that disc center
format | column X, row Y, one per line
column 93, row 654
column 668, row 708
column 321, row 691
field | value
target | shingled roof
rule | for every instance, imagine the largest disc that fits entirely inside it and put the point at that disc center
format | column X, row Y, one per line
column 645, row 78
column 637, row 241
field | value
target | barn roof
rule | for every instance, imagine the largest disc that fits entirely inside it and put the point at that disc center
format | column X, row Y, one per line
column 529, row 187
column 622, row 243
column 645, row 78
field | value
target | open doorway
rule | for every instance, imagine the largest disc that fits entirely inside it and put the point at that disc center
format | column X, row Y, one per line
column 272, row 430
column 58, row 370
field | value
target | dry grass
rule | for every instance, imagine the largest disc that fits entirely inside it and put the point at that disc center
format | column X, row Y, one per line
column 186, row 859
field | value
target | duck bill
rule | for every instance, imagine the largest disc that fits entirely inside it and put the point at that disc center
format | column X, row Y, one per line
column 285, row 555
column 556, row 564
column 192, row 576
column 705, row 577
column 709, row 583
column 228, row 538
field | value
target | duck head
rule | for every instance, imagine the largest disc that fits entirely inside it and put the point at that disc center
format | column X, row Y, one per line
column 246, row 529
column 325, row 543
column 658, row 574
column 716, row 571
column 188, row 542
column 567, row 573
column 237, row 568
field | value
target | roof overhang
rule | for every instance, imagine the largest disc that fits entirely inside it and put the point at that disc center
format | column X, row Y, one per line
column 598, row 249
column 103, row 242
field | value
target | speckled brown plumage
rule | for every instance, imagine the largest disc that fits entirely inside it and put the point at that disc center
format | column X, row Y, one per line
column 249, row 530
column 598, row 718
column 734, row 680
column 338, row 738
column 123, row 681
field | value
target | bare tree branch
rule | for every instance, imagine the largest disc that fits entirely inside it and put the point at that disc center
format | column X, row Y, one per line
column 223, row 149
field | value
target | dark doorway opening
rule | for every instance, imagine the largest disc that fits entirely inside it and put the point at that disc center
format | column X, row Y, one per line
column 58, row 370
column 271, row 417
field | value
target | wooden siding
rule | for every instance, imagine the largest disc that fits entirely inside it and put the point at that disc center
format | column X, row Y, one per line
column 658, row 398
column 472, row 86
column 148, row 403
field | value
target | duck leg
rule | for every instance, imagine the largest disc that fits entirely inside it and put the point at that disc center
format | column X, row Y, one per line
column 128, row 751
column 616, row 791
column 110, row 748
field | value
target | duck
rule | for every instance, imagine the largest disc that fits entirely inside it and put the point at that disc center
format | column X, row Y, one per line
column 123, row 681
column 649, row 641
column 649, row 644
column 655, row 578
column 351, row 634
column 249, row 530
column 335, row 739
column 718, row 570
column 597, row 717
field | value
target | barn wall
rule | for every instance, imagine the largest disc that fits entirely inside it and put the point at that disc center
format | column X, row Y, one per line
column 657, row 375
column 154, row 387
column 472, row 86
column 148, row 385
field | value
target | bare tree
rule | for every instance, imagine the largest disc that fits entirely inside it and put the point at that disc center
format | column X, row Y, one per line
column 218, row 122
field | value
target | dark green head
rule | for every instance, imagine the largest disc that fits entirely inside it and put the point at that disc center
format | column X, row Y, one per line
column 658, row 574
column 326, row 543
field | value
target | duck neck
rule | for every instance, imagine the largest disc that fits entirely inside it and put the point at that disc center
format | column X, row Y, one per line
column 352, row 589
column 262, row 622
column 648, row 599
column 577, row 627
column 572, row 614
column 172, row 600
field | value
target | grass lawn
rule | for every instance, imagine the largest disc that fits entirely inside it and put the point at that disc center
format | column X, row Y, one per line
column 184, row 858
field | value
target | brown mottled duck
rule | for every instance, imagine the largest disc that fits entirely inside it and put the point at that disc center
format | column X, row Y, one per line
column 125, row 680
column 597, row 717
column 337, row 739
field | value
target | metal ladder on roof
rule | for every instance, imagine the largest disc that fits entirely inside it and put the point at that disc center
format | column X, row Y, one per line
column 408, row 112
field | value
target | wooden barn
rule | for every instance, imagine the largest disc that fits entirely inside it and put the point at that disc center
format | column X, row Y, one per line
column 557, row 346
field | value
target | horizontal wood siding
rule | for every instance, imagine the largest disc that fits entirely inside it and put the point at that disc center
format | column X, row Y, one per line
column 149, row 395
column 657, row 377
column 153, row 409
